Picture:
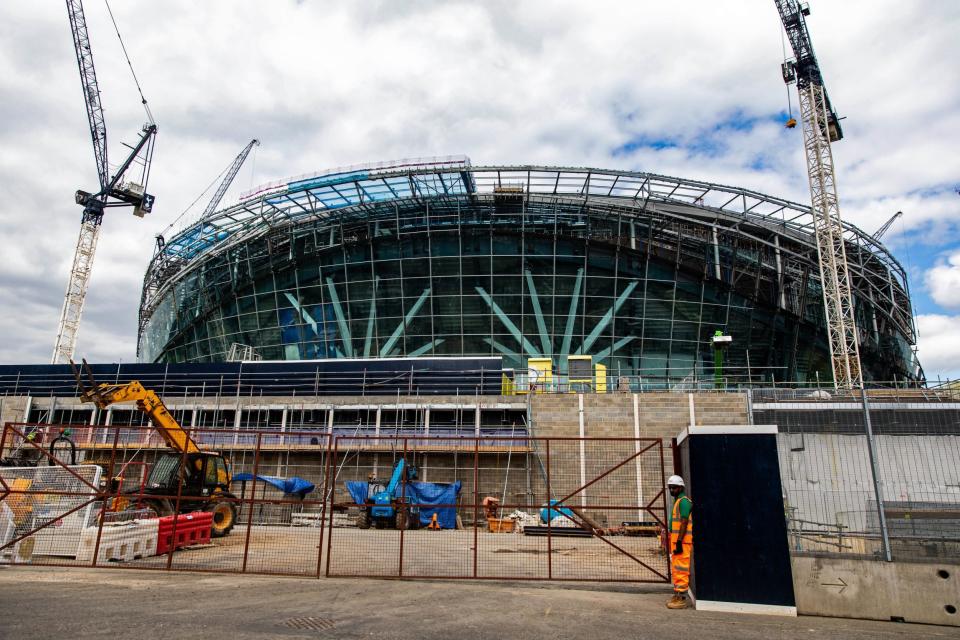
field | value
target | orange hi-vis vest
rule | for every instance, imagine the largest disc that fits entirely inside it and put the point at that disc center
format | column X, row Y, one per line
column 675, row 522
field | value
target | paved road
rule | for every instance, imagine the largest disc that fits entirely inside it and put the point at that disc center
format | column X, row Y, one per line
column 80, row 603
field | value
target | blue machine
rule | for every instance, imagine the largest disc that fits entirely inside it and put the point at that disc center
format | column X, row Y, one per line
column 390, row 509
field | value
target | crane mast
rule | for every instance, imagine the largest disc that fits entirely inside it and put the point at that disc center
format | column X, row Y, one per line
column 821, row 126
column 112, row 190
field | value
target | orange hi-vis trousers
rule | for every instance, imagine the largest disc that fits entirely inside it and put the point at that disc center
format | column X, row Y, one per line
column 680, row 562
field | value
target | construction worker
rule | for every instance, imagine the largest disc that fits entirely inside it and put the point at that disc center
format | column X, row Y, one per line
column 680, row 526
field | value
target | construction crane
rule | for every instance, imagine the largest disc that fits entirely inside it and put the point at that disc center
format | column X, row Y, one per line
column 886, row 226
column 228, row 179
column 151, row 283
column 114, row 191
column 821, row 126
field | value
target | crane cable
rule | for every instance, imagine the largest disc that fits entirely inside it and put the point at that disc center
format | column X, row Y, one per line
column 136, row 81
column 195, row 201
column 210, row 186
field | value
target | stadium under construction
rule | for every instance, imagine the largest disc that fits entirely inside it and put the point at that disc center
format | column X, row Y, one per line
column 437, row 257
column 429, row 369
column 526, row 350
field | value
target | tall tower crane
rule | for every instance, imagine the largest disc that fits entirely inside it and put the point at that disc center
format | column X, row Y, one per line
column 114, row 191
column 821, row 126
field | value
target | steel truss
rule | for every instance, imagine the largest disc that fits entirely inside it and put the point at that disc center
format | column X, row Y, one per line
column 828, row 231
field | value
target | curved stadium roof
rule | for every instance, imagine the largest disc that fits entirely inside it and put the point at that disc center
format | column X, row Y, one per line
column 350, row 191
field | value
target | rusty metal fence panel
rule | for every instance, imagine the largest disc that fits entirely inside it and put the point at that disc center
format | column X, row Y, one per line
column 55, row 513
column 100, row 509
column 610, row 495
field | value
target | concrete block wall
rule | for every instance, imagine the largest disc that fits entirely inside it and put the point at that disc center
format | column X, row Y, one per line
column 647, row 415
column 660, row 415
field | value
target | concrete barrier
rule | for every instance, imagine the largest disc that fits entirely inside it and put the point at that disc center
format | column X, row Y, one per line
column 853, row 588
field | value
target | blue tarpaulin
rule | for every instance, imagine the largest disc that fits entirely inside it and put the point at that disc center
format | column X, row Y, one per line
column 422, row 494
column 556, row 509
column 295, row 486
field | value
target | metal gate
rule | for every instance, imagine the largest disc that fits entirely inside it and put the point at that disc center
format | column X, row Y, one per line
column 607, row 496
column 53, row 513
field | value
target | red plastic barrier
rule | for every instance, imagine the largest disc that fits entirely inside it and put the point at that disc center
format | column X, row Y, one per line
column 192, row 528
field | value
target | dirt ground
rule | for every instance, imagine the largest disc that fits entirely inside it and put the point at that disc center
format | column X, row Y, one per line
column 424, row 553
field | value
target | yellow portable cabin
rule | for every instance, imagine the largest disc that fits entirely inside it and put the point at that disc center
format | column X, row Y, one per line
column 539, row 377
column 507, row 383
column 600, row 378
column 584, row 376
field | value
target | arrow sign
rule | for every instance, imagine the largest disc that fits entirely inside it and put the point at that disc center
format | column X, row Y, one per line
column 839, row 583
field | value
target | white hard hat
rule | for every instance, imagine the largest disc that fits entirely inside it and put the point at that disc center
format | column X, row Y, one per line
column 675, row 481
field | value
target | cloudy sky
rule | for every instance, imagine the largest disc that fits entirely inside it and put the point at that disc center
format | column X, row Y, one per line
column 690, row 89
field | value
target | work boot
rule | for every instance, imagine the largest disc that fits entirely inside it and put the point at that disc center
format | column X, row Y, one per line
column 678, row 601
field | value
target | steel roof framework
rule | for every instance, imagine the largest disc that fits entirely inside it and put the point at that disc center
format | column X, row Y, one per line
column 359, row 192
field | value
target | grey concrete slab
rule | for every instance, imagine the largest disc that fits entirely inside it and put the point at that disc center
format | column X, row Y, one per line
column 81, row 603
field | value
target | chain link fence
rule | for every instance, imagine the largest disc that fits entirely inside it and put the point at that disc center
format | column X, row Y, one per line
column 877, row 479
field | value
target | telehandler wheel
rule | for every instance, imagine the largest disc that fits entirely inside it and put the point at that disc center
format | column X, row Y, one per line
column 224, row 517
column 363, row 520
column 407, row 520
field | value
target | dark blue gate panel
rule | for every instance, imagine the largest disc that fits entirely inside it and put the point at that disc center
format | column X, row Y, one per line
column 741, row 561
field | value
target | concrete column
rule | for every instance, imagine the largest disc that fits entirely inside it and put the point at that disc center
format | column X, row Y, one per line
column 583, row 457
column 107, row 422
column 376, row 432
column 636, row 434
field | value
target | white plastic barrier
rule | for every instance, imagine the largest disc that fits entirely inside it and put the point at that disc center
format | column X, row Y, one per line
column 6, row 524
column 59, row 536
column 120, row 541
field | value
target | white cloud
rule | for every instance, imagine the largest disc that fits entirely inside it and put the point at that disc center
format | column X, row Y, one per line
column 326, row 84
column 943, row 281
column 939, row 345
